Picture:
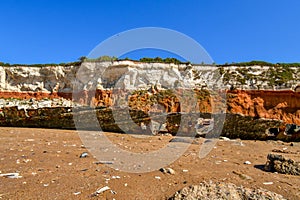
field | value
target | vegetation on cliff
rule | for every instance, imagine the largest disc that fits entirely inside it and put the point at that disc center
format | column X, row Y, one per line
column 155, row 60
column 77, row 63
column 145, row 59
column 268, row 76
column 260, row 63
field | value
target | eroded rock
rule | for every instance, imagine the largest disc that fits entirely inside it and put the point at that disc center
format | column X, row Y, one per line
column 220, row 190
column 280, row 164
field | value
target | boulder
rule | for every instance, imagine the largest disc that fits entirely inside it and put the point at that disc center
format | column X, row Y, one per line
column 280, row 164
column 221, row 190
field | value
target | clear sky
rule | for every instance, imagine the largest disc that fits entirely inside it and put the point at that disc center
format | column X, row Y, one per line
column 54, row 31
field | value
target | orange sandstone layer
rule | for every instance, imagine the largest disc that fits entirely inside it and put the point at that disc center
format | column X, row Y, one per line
column 29, row 95
column 282, row 105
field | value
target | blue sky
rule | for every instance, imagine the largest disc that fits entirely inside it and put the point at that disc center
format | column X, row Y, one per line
column 53, row 31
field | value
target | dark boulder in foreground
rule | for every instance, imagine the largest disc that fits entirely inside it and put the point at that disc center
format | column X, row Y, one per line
column 280, row 164
column 221, row 190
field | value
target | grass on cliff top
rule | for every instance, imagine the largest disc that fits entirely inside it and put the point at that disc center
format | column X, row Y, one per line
column 153, row 60
column 261, row 63
column 100, row 59
column 41, row 65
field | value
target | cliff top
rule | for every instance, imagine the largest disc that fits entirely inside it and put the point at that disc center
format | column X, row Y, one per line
column 155, row 60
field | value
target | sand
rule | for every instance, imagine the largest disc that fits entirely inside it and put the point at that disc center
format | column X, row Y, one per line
column 51, row 168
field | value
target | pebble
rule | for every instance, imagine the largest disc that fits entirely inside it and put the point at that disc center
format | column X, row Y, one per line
column 170, row 171
column 101, row 190
column 167, row 170
column 247, row 162
column 11, row 175
column 84, row 155
column 26, row 160
column 218, row 162
column 268, row 183
column 104, row 162
column 157, row 177
column 224, row 138
column 113, row 192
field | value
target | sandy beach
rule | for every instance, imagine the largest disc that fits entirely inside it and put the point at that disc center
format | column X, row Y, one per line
column 49, row 166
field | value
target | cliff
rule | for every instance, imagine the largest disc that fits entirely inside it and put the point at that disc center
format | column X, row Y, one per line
column 138, row 75
column 235, row 126
column 257, row 91
column 283, row 105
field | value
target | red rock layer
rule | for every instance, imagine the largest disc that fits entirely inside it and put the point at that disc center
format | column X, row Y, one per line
column 283, row 105
column 36, row 95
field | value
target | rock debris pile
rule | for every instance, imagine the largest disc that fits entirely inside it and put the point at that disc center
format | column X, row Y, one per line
column 220, row 190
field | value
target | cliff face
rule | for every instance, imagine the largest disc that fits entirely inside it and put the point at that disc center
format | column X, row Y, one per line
column 62, row 117
column 262, row 92
column 282, row 105
column 37, row 79
column 132, row 75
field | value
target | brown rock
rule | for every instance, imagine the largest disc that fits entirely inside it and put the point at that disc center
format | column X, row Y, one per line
column 280, row 164
column 221, row 190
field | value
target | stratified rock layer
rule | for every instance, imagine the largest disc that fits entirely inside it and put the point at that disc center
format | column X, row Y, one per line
column 283, row 105
column 252, row 93
column 256, row 91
